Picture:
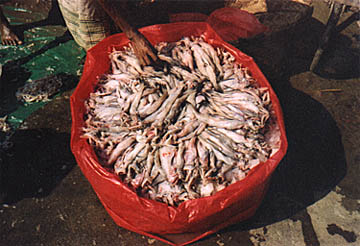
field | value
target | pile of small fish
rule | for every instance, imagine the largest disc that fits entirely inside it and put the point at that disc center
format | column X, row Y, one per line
column 40, row 89
column 184, row 131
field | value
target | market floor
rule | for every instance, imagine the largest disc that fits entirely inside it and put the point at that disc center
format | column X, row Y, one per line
column 314, row 195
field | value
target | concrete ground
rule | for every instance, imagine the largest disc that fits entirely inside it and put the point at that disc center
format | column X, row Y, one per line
column 314, row 196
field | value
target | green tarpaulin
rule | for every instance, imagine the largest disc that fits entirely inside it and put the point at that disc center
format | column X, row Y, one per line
column 47, row 50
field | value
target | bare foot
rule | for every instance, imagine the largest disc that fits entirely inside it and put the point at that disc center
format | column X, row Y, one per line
column 8, row 37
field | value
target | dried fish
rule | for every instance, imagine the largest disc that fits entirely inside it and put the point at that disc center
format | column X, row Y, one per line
column 183, row 133
column 40, row 89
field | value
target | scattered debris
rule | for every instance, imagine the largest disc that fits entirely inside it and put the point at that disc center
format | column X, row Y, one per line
column 13, row 223
column 61, row 216
column 8, row 206
column 151, row 241
column 23, row 126
column 4, row 126
column 257, row 239
column 218, row 242
column 330, row 90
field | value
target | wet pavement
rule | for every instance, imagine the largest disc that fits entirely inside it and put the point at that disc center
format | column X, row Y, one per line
column 314, row 195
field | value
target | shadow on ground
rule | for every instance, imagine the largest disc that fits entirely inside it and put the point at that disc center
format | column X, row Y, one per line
column 36, row 164
column 290, row 52
column 314, row 164
column 340, row 60
column 315, row 161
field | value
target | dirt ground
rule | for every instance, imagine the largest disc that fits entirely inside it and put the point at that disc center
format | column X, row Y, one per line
column 314, row 195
